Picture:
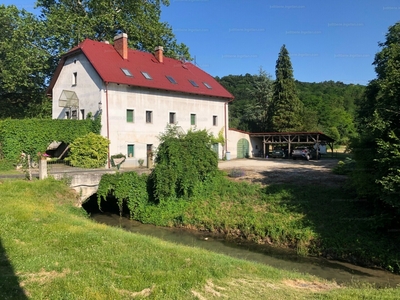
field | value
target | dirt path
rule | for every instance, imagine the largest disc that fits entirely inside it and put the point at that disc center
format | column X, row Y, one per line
column 267, row 171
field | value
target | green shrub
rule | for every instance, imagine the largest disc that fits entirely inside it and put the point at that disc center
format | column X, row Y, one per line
column 344, row 167
column 6, row 165
column 128, row 187
column 183, row 161
column 89, row 151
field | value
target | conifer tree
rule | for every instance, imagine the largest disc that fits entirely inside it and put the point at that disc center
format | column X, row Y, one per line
column 285, row 110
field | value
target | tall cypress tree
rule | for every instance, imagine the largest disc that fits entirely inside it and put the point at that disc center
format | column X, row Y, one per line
column 286, row 107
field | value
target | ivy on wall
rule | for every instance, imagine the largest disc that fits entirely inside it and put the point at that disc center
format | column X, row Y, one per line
column 34, row 135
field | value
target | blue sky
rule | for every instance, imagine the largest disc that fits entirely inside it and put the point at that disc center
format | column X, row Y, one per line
column 327, row 40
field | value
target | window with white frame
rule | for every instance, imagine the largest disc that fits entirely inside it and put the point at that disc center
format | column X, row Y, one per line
column 130, row 116
column 131, row 150
column 172, row 118
column 192, row 119
column 149, row 116
column 215, row 120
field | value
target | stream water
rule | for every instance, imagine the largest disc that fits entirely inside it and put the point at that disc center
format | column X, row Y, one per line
column 280, row 258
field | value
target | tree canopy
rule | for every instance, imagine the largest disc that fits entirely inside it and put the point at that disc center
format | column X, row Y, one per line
column 31, row 46
column 25, row 64
column 68, row 22
column 377, row 150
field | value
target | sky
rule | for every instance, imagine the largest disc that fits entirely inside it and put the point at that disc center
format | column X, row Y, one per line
column 327, row 40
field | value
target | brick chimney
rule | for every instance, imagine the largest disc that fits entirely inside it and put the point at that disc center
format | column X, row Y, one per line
column 158, row 53
column 121, row 44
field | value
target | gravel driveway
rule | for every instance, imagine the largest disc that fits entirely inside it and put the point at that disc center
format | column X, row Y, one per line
column 267, row 171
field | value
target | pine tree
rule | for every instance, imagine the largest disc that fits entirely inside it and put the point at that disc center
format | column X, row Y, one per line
column 285, row 110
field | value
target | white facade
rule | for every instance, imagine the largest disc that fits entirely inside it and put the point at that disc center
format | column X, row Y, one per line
column 124, row 109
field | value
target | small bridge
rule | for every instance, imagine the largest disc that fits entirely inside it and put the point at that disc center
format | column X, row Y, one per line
column 85, row 182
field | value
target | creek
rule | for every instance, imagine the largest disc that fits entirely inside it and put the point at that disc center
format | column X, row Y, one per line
column 341, row 272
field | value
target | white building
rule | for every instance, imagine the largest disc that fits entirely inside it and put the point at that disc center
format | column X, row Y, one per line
column 138, row 94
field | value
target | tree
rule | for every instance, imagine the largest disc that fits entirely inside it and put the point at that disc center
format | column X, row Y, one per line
column 377, row 150
column 286, row 108
column 25, row 65
column 69, row 22
column 261, row 98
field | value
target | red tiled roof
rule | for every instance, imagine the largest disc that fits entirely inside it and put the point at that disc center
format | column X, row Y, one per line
column 108, row 63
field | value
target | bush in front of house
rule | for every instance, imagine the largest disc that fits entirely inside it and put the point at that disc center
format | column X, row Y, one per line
column 89, row 151
column 183, row 163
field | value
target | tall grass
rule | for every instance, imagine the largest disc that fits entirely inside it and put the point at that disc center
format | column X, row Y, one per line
column 49, row 249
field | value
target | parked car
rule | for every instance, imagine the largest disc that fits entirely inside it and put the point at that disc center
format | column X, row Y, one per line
column 305, row 153
column 278, row 152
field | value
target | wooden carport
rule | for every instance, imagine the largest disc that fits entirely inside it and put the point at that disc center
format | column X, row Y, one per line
column 293, row 138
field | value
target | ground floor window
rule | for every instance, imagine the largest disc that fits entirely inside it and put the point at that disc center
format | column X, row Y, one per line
column 131, row 150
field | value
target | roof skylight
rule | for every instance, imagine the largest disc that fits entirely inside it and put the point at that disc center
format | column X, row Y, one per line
column 193, row 83
column 127, row 72
column 146, row 75
column 171, row 79
column 207, row 85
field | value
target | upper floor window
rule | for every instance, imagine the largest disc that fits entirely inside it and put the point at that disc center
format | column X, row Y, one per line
column 149, row 116
column 215, row 120
column 192, row 119
column 74, row 78
column 130, row 116
column 172, row 118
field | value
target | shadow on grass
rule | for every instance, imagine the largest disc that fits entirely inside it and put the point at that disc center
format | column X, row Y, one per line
column 9, row 285
column 345, row 225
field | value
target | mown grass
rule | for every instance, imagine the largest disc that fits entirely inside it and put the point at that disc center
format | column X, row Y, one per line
column 49, row 249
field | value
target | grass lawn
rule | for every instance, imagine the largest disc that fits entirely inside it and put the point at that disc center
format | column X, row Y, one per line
column 49, row 249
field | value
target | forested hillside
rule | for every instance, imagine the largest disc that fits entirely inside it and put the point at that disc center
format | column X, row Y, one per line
column 329, row 106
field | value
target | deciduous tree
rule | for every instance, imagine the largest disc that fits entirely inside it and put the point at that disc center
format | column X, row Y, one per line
column 377, row 151
column 25, row 64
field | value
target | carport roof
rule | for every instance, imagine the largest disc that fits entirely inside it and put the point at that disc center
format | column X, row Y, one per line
column 293, row 137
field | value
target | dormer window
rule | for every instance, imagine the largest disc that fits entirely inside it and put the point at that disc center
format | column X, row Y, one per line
column 193, row 83
column 146, row 75
column 127, row 72
column 207, row 85
column 171, row 79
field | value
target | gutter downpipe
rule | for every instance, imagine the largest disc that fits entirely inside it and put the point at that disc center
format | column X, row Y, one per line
column 108, row 128
column 226, row 124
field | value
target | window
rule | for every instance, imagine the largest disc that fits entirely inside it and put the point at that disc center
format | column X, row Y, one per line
column 74, row 78
column 82, row 114
column 130, row 116
column 131, row 150
column 146, row 75
column 172, row 80
column 127, row 72
column 207, row 85
column 67, row 114
column 172, row 118
column 193, row 83
column 149, row 116
column 215, row 120
column 74, row 114
column 192, row 119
